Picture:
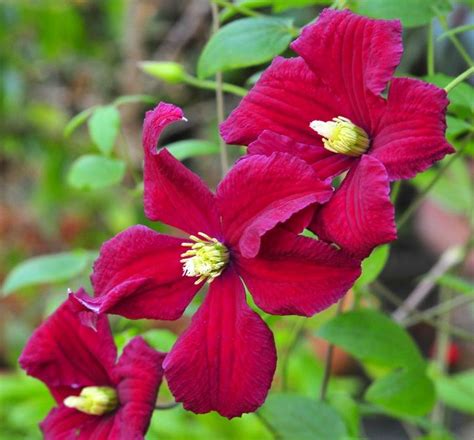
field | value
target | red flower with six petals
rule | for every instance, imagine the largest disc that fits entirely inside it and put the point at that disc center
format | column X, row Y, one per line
column 325, row 107
column 98, row 397
column 226, row 359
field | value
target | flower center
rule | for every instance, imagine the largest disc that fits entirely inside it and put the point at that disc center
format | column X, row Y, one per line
column 95, row 401
column 206, row 258
column 342, row 136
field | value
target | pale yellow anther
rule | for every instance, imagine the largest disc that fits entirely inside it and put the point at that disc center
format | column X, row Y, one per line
column 95, row 401
column 342, row 136
column 206, row 258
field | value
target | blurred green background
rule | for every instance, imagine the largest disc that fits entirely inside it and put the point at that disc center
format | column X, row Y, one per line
column 67, row 186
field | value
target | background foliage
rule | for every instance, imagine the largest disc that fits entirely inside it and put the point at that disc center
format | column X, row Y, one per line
column 75, row 80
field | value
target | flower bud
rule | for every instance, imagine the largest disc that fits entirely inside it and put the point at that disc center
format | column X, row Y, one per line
column 169, row 72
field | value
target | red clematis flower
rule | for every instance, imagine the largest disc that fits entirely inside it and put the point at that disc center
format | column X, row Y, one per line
column 97, row 397
column 225, row 361
column 326, row 107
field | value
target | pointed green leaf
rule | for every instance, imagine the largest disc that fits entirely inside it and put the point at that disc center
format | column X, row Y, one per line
column 92, row 172
column 104, row 126
column 407, row 392
column 46, row 269
column 371, row 336
column 192, row 147
column 293, row 417
column 243, row 43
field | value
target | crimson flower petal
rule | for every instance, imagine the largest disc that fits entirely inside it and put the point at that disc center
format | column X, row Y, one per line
column 355, row 56
column 226, row 359
column 139, row 275
column 412, row 132
column 173, row 194
column 296, row 275
column 286, row 98
column 326, row 164
column 64, row 353
column 360, row 215
column 62, row 424
column 261, row 191
column 139, row 374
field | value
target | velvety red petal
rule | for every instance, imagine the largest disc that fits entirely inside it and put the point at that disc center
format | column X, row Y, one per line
column 296, row 275
column 139, row 275
column 325, row 163
column 64, row 423
column 139, row 373
column 360, row 215
column 64, row 353
column 354, row 56
column 286, row 98
column 173, row 194
column 225, row 361
column 411, row 136
column 260, row 192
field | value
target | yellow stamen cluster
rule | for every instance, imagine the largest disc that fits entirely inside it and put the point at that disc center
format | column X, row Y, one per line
column 342, row 136
column 95, row 401
column 206, row 258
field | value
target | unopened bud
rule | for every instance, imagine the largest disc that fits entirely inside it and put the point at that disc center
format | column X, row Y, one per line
column 170, row 72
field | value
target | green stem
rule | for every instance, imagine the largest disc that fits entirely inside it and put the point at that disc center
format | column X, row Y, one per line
column 240, row 9
column 442, row 345
column 219, row 97
column 412, row 208
column 431, row 51
column 457, row 44
column 328, row 363
column 212, row 85
column 459, row 79
column 296, row 333
column 395, row 191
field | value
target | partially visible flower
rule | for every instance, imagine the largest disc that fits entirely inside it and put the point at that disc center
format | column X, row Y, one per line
column 327, row 108
column 246, row 232
column 98, row 397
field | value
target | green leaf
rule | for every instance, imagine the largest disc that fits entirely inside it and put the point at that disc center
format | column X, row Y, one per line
column 457, row 126
column 373, row 265
column 167, row 71
column 45, row 269
column 104, row 127
column 243, row 43
column 92, row 172
column 348, row 409
column 457, row 390
column 293, row 417
column 410, row 12
column 77, row 121
column 407, row 392
column 192, row 147
column 461, row 96
column 371, row 336
column 452, row 190
column 456, row 283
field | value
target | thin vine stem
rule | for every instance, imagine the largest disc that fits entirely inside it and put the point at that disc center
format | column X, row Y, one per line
column 412, row 208
column 166, row 406
column 459, row 79
column 219, row 97
column 237, row 8
column 431, row 50
column 212, row 85
column 454, row 39
column 296, row 333
column 328, row 362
